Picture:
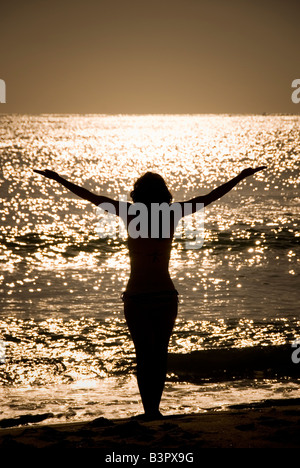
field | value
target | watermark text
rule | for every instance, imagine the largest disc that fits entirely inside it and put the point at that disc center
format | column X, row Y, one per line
column 2, row 352
column 2, row 92
column 157, row 220
column 296, row 94
column 296, row 354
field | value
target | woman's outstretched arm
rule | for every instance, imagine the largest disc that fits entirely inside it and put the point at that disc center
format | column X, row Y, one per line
column 219, row 191
column 79, row 191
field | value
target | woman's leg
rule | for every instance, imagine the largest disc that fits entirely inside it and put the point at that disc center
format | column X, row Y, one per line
column 151, row 326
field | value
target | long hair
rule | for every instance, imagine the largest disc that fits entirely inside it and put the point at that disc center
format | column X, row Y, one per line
column 151, row 188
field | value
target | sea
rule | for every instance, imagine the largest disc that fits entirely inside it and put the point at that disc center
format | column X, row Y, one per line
column 65, row 350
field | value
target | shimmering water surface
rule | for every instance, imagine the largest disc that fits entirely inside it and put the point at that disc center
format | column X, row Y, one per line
column 66, row 348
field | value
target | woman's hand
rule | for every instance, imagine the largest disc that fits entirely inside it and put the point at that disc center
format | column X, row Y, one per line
column 47, row 173
column 250, row 171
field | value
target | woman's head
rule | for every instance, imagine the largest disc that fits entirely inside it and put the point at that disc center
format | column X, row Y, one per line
column 150, row 188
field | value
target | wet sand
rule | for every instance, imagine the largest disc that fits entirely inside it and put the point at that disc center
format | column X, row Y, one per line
column 269, row 424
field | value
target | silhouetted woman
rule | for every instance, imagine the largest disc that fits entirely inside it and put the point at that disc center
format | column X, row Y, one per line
column 150, row 298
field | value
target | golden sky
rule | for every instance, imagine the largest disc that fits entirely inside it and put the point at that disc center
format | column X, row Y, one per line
column 153, row 56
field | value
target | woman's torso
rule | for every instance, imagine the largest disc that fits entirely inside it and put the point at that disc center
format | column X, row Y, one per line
column 150, row 253
column 149, row 261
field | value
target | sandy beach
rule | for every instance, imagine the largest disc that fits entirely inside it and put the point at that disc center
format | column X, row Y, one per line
column 269, row 424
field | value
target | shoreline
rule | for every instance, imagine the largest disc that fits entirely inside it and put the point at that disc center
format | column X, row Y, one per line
column 266, row 424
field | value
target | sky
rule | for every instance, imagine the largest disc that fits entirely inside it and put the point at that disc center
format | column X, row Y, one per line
column 149, row 57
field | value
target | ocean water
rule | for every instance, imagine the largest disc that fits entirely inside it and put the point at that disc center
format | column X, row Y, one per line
column 65, row 348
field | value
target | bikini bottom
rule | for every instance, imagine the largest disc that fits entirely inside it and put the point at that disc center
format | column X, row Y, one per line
column 150, row 318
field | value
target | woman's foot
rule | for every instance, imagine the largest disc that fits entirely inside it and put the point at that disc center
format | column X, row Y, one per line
column 148, row 416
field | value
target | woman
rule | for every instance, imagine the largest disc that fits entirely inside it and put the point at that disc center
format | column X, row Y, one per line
column 150, row 298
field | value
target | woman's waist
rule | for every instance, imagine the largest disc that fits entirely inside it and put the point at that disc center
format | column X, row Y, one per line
column 150, row 295
column 143, row 281
column 155, row 264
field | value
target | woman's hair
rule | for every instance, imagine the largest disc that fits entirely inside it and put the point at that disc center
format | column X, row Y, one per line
column 150, row 188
